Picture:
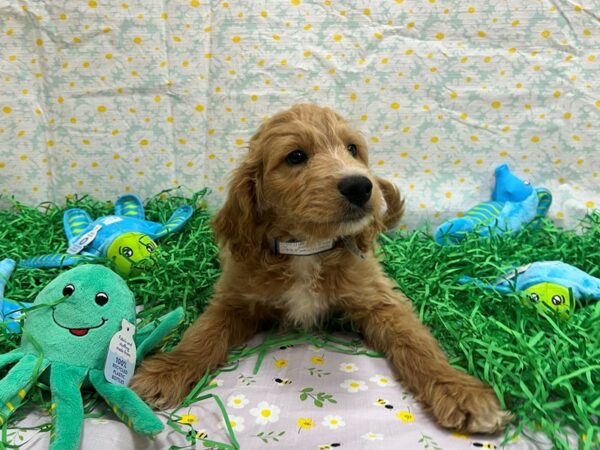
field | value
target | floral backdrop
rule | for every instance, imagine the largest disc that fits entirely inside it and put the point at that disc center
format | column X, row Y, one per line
column 107, row 97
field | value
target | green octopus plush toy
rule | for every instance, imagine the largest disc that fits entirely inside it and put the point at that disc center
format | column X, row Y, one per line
column 68, row 332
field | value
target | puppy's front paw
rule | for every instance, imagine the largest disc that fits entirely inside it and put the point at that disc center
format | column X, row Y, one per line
column 466, row 404
column 164, row 380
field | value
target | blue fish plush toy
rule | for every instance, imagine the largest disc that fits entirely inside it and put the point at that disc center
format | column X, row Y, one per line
column 515, row 204
column 10, row 311
column 555, row 284
column 125, row 237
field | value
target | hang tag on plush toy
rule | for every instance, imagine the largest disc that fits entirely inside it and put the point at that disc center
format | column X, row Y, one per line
column 110, row 220
column 83, row 241
column 120, row 360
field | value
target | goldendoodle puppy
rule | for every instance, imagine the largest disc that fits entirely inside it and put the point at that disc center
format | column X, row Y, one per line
column 296, row 236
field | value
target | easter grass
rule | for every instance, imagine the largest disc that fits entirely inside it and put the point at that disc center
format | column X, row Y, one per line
column 544, row 368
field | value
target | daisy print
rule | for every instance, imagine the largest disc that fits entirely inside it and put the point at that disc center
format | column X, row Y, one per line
column 236, row 422
column 188, row 419
column 265, row 413
column 354, row 385
column 280, row 363
column 348, row 367
column 216, row 382
column 333, row 422
column 372, row 436
column 305, row 423
column 405, row 416
column 237, row 401
column 450, row 196
column 317, row 359
column 100, row 421
column 382, row 380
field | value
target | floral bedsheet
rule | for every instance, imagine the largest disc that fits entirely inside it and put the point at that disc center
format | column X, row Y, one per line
column 303, row 396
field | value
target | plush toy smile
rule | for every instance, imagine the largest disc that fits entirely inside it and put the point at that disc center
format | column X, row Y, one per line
column 76, row 331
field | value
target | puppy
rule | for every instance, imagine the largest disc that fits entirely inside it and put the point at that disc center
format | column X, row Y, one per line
column 296, row 236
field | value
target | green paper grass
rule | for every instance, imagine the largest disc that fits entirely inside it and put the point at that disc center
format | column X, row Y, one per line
column 545, row 369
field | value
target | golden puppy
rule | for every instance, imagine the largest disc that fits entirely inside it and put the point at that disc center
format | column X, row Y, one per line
column 296, row 236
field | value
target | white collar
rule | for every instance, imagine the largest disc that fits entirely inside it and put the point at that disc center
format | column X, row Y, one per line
column 304, row 248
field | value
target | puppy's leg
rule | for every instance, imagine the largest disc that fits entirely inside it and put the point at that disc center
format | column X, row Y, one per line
column 166, row 378
column 456, row 400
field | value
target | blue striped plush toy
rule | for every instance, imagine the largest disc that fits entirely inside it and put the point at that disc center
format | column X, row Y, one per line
column 515, row 204
column 10, row 311
column 126, row 237
column 552, row 284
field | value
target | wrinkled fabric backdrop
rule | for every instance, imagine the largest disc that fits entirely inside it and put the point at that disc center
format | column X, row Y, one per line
column 107, row 97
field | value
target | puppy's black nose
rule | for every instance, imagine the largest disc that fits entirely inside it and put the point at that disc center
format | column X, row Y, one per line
column 356, row 188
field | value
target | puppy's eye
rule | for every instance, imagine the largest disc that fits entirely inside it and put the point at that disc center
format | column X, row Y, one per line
column 296, row 157
column 352, row 149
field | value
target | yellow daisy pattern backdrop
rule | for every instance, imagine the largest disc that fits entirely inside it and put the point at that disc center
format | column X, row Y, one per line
column 108, row 97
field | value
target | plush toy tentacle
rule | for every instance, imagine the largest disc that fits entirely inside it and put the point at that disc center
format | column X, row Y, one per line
column 477, row 219
column 75, row 221
column 499, row 287
column 156, row 332
column 544, row 203
column 6, row 269
column 8, row 309
column 175, row 222
column 16, row 383
column 53, row 260
column 11, row 314
column 10, row 357
column 130, row 206
column 126, row 405
column 67, row 406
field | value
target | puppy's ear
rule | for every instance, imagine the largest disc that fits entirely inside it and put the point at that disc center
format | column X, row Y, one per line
column 394, row 204
column 386, row 219
column 236, row 225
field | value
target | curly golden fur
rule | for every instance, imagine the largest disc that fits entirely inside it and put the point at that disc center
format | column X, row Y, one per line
column 272, row 197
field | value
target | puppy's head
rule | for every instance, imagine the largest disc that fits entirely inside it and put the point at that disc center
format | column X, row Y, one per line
column 305, row 177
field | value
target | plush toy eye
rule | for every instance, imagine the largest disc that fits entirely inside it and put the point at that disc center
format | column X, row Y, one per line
column 101, row 298
column 68, row 290
column 127, row 252
column 352, row 149
column 149, row 248
column 534, row 297
column 296, row 157
column 557, row 300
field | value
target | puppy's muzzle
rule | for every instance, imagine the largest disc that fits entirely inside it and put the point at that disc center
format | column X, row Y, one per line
column 356, row 189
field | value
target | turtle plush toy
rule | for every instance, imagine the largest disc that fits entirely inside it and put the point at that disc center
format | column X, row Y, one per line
column 10, row 311
column 554, row 284
column 126, row 237
column 515, row 204
column 80, row 330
